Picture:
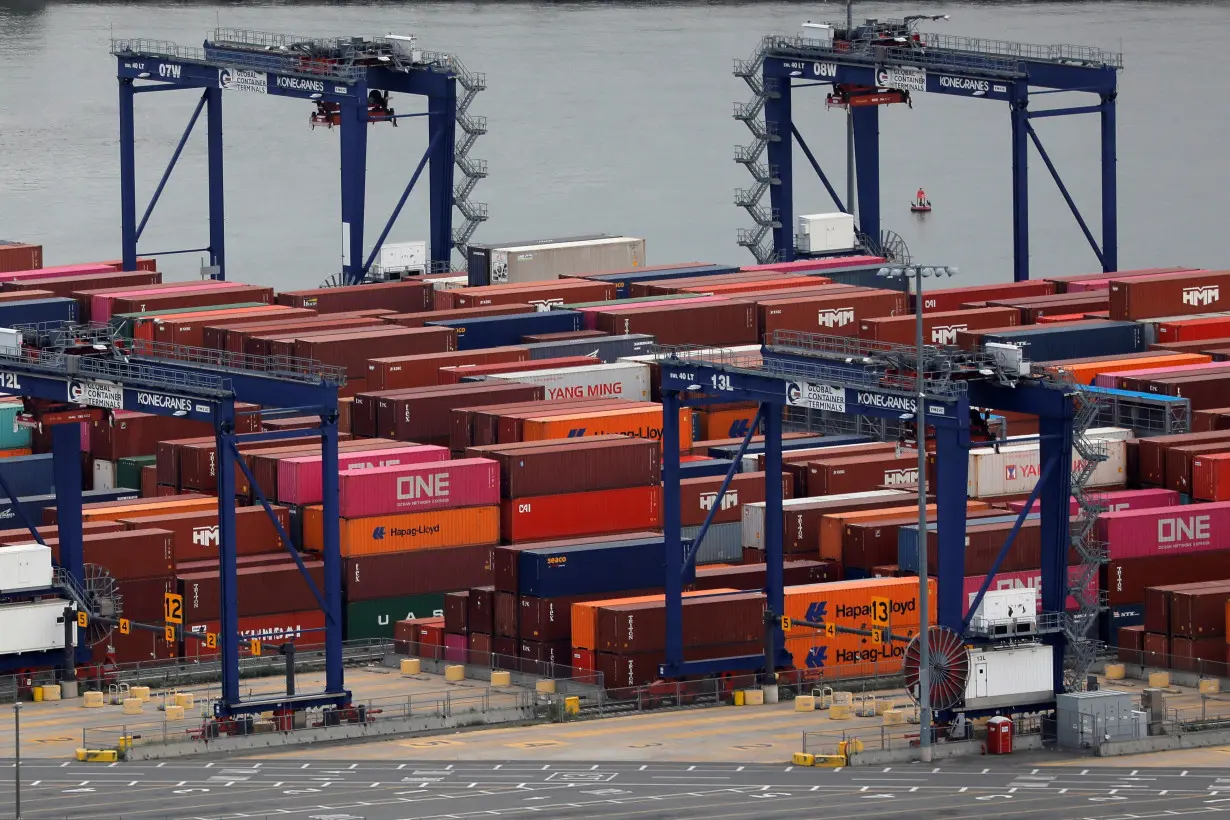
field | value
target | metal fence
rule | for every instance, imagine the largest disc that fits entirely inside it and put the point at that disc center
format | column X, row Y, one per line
column 884, row 738
column 523, row 671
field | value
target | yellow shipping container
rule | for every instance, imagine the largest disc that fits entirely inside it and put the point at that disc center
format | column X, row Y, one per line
column 382, row 534
column 638, row 422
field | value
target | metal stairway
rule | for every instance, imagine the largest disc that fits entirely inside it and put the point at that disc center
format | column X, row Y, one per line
column 471, row 128
column 750, row 156
column 1080, row 626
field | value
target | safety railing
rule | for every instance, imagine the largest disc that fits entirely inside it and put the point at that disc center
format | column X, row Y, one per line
column 281, row 367
column 1061, row 53
column 810, row 48
column 523, row 671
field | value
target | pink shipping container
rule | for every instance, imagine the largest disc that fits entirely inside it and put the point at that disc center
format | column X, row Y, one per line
column 456, row 648
column 465, row 482
column 589, row 315
column 100, row 303
column 300, row 479
column 1113, row 379
column 817, row 264
column 62, row 270
column 1119, row 500
column 1166, row 530
column 1020, row 580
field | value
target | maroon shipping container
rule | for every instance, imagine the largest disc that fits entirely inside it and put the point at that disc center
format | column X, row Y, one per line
column 401, row 372
column 707, row 621
column 195, row 534
column 548, row 619
column 711, row 323
column 699, row 496
column 1178, row 474
column 801, row 529
column 27, row 295
column 143, row 598
column 504, row 647
column 1200, row 613
column 833, row 315
column 574, row 465
column 268, row 559
column 480, row 609
column 1033, row 308
column 939, row 327
column 264, row 463
column 257, row 340
column 416, row 572
column 261, row 591
column 506, row 614
column 456, row 609
column 865, row 545
column 1215, row 418
column 21, row 535
column 1196, row 654
column 623, row 671
column 352, row 350
column 1062, row 282
column 504, row 558
column 1125, row 581
column 1169, row 294
column 421, row 319
column 198, row 462
column 406, row 296
column 454, row 375
column 1159, row 603
column 946, row 299
column 480, row 649
column 19, row 256
column 557, row 653
column 1131, row 643
column 857, row 474
column 426, row 417
column 752, row 576
column 1152, row 452
column 1203, row 391
column 227, row 295
column 984, row 541
column 1156, row 650
column 544, row 293
column 144, row 553
column 480, row 426
column 68, row 286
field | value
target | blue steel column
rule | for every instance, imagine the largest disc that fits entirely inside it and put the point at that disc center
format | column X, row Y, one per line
column 66, row 466
column 228, row 636
column 672, row 522
column 1020, row 181
column 353, row 143
column 778, row 119
column 217, row 191
column 775, row 642
column 442, row 133
column 951, row 485
column 128, row 178
column 334, row 680
column 1056, row 435
column 867, row 164
column 1110, row 187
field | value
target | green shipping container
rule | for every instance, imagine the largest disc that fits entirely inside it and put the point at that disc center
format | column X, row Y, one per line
column 375, row 619
column 11, row 439
column 128, row 470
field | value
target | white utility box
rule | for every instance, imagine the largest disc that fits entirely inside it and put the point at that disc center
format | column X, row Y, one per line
column 25, row 567
column 1007, row 612
column 819, row 233
column 406, row 47
column 400, row 259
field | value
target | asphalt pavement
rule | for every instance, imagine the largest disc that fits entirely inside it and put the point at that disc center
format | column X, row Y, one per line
column 240, row 788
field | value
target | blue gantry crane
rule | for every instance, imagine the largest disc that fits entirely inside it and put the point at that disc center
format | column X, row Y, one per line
column 72, row 373
column 881, row 62
column 349, row 81
column 838, row 375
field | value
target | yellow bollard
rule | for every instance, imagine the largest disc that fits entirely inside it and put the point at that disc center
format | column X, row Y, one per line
column 803, row 759
column 545, row 687
column 133, row 706
column 500, row 677
column 92, row 700
column 805, row 703
column 1159, row 680
column 1210, row 686
column 1115, row 671
column 753, row 697
column 739, row 697
column 455, row 672
column 411, row 667
column 141, row 693
column 572, row 705
column 37, row 694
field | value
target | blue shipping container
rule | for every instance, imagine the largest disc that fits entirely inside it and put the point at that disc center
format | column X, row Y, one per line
column 704, row 469
column 11, row 439
column 1047, row 342
column 33, row 506
column 864, row 276
column 1117, row 617
column 35, row 311
column 589, row 569
column 907, row 538
column 623, row 279
column 28, row 475
column 608, row 349
column 499, row 331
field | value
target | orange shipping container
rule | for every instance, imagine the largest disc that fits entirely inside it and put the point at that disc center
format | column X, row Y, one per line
column 383, row 534
column 170, row 505
column 585, row 614
column 833, row 526
column 1085, row 372
column 19, row 451
column 726, row 423
column 636, row 422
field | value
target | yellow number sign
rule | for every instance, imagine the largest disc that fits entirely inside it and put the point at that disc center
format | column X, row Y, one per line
column 125, row 626
column 880, row 607
column 173, row 608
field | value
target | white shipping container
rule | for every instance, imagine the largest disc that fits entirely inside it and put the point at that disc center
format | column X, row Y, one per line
column 1004, row 677
column 751, row 464
column 535, row 263
column 754, row 512
column 25, row 567
column 401, row 258
column 1017, row 469
column 104, row 474
column 33, row 627
column 621, row 380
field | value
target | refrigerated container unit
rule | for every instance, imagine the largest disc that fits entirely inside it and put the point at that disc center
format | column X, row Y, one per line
column 620, row 380
column 536, row 262
column 25, row 568
column 1010, row 676
column 34, row 627
column 479, row 255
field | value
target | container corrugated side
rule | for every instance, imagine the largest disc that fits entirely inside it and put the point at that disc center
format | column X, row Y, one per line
column 588, row 569
column 1017, row 469
column 406, row 531
column 1165, row 531
column 621, row 380
column 470, row 482
column 578, row 514
column 723, row 543
column 299, row 479
column 637, row 421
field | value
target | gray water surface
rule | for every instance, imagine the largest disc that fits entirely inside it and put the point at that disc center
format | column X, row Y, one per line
column 611, row 117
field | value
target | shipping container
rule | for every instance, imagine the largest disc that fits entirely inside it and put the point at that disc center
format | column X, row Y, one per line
column 505, row 559
column 708, row 323
column 425, row 414
column 863, row 539
column 496, row 331
column 586, row 569
column 406, row 296
column 111, row 510
column 624, row 279
column 1164, row 531
column 698, row 497
column 579, row 514
column 723, row 543
column 416, row 572
column 264, row 590
column 708, row 620
column 862, row 473
column 984, row 539
column 554, row 259
column 949, row 299
column 253, row 337
column 1016, row 469
column 641, row 669
column 752, row 575
column 405, row 531
column 566, row 336
column 839, row 314
column 802, row 517
column 1028, row 579
column 373, row 619
column 1168, row 294
column 543, row 295
column 606, row 348
column 352, row 350
column 491, row 424
column 300, row 479
column 19, row 256
column 1200, row 613
column 592, row 463
column 304, row 628
column 1211, row 475
column 478, row 372
column 621, row 380
column 195, row 536
column 1194, row 330
column 95, row 269
column 1101, row 281
column 1116, row 500
column 38, row 311
column 1179, row 464
column 138, row 301
column 401, row 372
column 1046, row 342
column 456, row 605
column 471, row 482
column 1085, row 371
column 1152, row 466
column 939, row 327
column 635, row 421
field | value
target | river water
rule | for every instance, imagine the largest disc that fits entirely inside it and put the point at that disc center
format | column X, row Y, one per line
column 611, row 117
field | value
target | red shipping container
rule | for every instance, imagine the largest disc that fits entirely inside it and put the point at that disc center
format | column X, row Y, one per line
column 21, row 535
column 195, row 534
column 1165, row 531
column 400, row 372
column 454, row 375
column 300, row 628
column 1193, row 330
column 639, row 669
column 946, row 299
column 1211, row 477
column 506, row 615
column 1101, row 281
column 59, row 270
column 1152, row 464
column 352, row 350
column 143, row 597
column 300, row 479
column 406, row 296
column 1200, row 613
column 578, row 514
column 263, row 590
column 480, row 609
column 939, row 327
column 554, row 466
column 544, row 293
column 18, row 256
column 126, row 555
column 1169, row 294
column 102, row 307
column 253, row 338
column 707, row 621
column 712, row 323
column 421, row 318
column 699, row 496
column 469, row 482
column 858, row 474
column 839, row 314
column 426, row 416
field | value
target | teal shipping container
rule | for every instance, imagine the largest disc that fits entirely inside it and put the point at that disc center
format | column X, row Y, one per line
column 11, row 439
column 375, row 618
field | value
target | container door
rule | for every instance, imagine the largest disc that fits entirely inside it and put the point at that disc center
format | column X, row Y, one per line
column 980, row 680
